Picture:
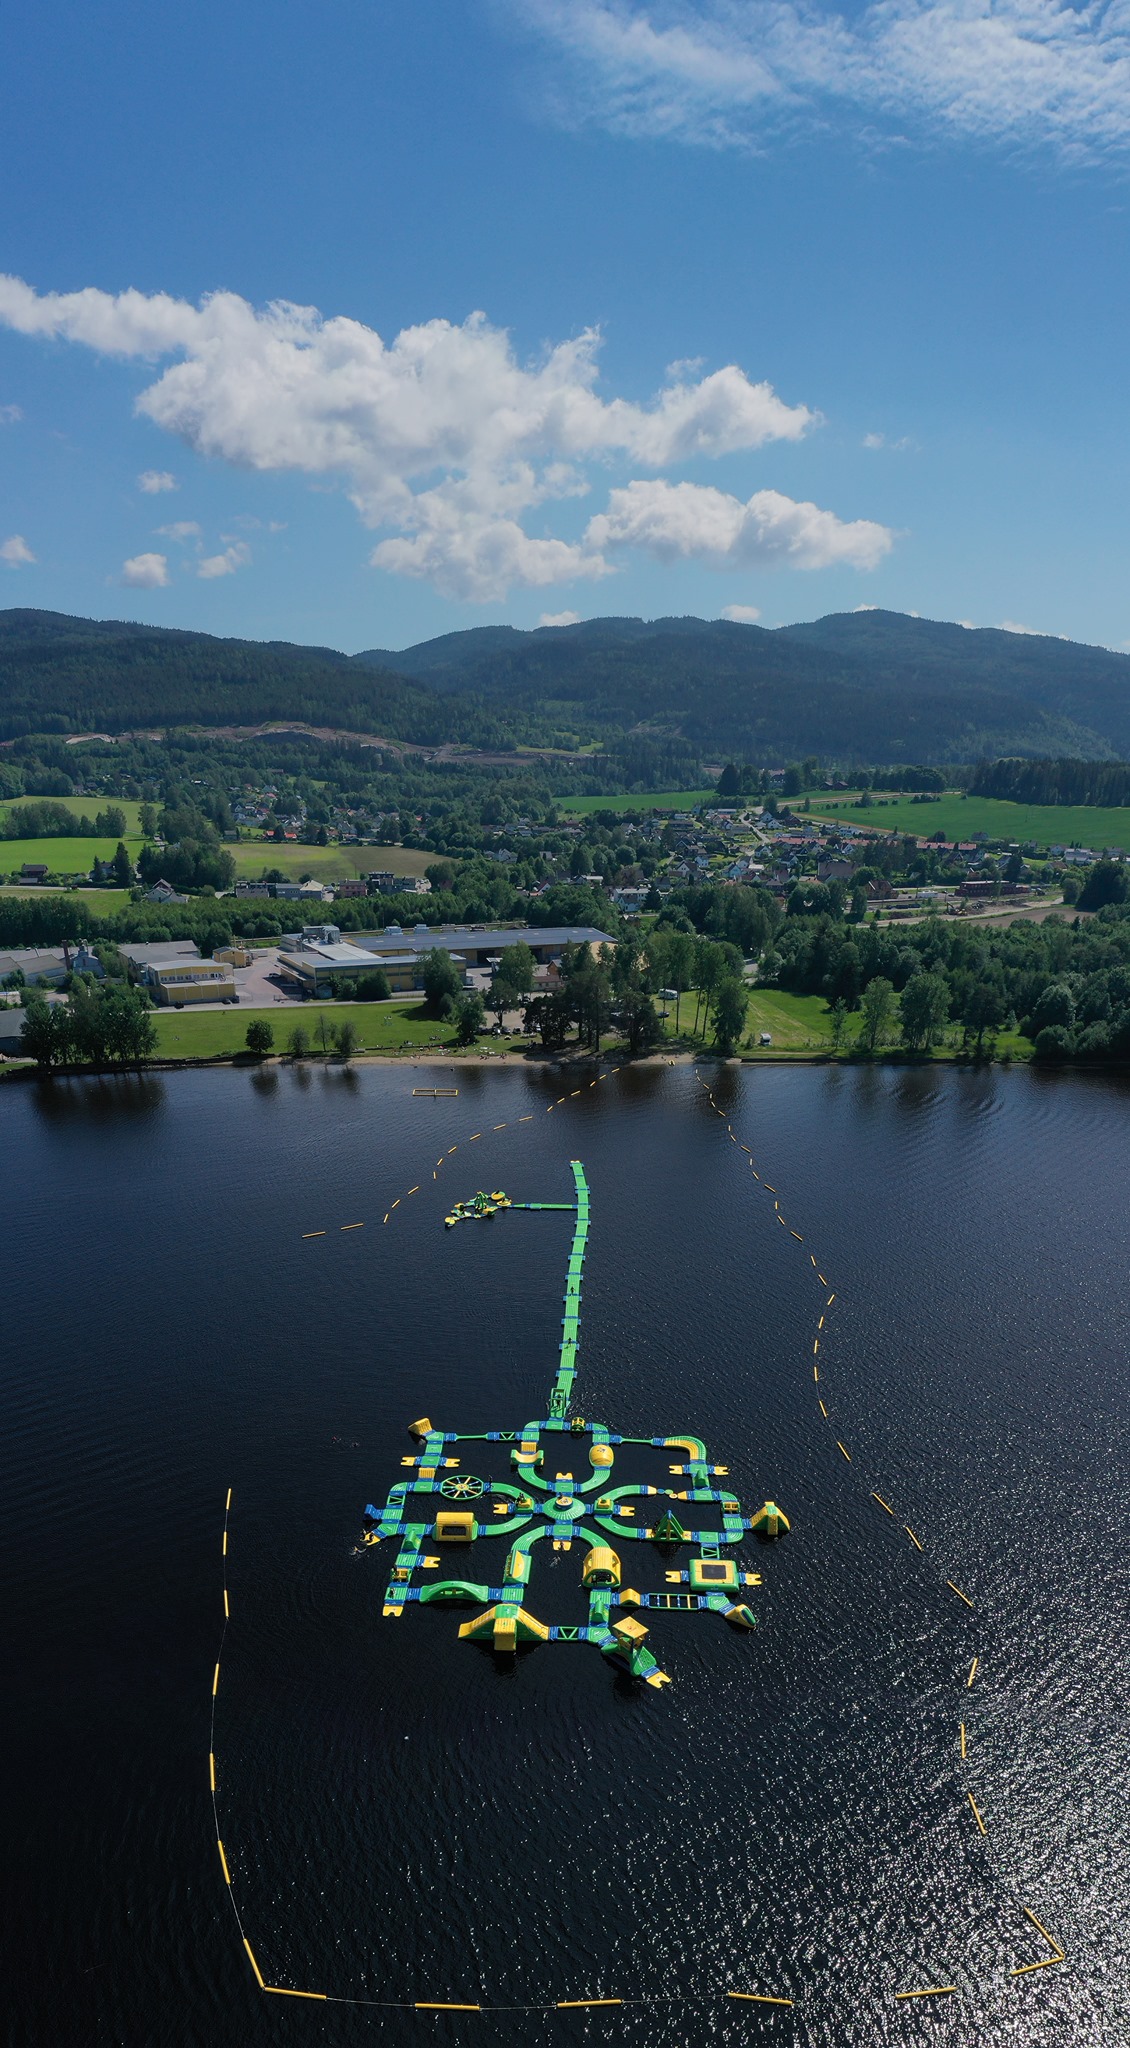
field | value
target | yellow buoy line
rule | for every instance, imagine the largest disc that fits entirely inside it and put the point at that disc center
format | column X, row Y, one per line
column 1057, row 1953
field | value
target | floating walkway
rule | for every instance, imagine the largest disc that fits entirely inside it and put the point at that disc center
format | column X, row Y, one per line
column 444, row 1504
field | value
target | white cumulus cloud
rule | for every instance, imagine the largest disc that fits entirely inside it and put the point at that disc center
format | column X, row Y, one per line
column 728, row 73
column 9, row 414
column 560, row 619
column 741, row 614
column 233, row 558
column 152, row 481
column 146, row 572
column 181, row 529
column 16, row 552
column 443, row 437
column 685, row 522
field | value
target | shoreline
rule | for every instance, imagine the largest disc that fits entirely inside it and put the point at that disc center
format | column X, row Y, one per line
column 573, row 1058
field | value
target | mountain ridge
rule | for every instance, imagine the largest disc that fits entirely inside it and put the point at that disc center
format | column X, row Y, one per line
column 871, row 686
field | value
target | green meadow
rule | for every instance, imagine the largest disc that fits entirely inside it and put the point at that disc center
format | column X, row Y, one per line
column 253, row 857
column 381, row 1027
column 961, row 817
column 82, row 805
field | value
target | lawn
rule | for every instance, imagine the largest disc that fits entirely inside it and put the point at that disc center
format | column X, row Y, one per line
column 795, row 1023
column 62, row 856
column 381, row 1027
column 657, row 800
column 253, row 857
column 960, row 817
column 88, row 806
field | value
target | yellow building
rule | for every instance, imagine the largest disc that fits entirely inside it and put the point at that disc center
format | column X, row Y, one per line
column 190, row 981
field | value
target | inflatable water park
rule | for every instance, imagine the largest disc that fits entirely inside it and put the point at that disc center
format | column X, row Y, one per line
column 447, row 1504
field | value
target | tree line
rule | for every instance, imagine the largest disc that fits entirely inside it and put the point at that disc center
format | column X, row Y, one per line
column 1053, row 782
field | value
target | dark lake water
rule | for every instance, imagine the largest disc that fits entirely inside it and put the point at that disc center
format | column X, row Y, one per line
column 405, row 1818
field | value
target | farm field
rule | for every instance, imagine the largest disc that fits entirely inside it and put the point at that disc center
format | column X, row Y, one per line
column 253, row 857
column 649, row 800
column 82, row 805
column 380, row 1027
column 63, row 856
column 959, row 817
column 101, row 900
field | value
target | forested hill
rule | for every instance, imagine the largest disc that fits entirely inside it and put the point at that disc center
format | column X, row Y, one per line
column 869, row 687
column 59, row 674
column 873, row 686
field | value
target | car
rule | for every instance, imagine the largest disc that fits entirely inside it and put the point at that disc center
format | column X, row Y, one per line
column 765, row 1039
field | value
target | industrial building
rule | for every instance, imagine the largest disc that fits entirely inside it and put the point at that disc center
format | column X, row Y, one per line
column 190, row 981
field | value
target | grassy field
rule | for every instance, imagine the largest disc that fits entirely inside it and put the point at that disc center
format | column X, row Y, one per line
column 326, row 863
column 101, row 900
column 960, row 817
column 381, row 1027
column 657, row 800
column 803, row 1025
column 62, row 856
column 88, row 806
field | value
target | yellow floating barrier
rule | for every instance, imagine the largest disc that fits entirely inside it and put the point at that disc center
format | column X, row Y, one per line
column 498, row 1127
column 961, row 1731
column 977, row 1813
column 823, row 1411
column 759, row 1998
column 227, row 1503
column 284, row 1991
column 224, row 1549
column 564, row 2003
column 313, row 1233
column 224, row 1861
column 885, row 1505
column 442, row 2005
column 797, row 1235
column 254, row 1964
column 216, row 1682
column 1045, row 1963
column 473, row 1136
column 211, row 1772
column 227, row 1609
column 972, row 1673
column 386, row 1214
column 823, row 1282
column 816, row 1374
column 811, row 1257
column 415, row 1190
column 840, row 1447
column 929, row 1991
column 529, row 1119
column 958, row 1591
column 815, row 1345
column 912, row 1536
column 831, row 1297
column 359, row 1226
column 1049, row 1938
column 395, row 1205
column 820, row 1324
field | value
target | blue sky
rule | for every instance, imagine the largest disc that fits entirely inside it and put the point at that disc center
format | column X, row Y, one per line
column 782, row 311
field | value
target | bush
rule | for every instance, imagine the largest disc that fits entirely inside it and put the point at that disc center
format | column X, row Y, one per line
column 298, row 1044
column 374, row 988
column 260, row 1037
column 1054, row 1043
